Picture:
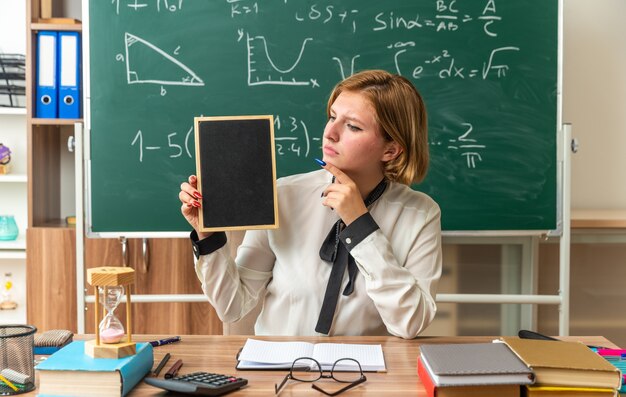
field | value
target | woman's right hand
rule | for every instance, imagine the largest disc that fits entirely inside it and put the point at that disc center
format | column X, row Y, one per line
column 191, row 200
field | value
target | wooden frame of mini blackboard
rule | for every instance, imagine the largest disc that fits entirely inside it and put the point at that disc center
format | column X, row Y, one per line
column 236, row 171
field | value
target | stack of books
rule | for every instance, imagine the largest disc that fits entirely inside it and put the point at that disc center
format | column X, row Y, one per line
column 471, row 370
column 514, row 367
column 565, row 368
column 617, row 358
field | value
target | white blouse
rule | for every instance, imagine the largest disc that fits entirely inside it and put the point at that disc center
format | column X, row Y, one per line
column 399, row 265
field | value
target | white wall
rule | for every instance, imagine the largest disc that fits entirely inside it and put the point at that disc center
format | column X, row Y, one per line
column 13, row 134
column 13, row 26
column 594, row 100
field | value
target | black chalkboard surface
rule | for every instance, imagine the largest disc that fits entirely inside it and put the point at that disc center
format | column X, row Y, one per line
column 486, row 69
column 236, row 172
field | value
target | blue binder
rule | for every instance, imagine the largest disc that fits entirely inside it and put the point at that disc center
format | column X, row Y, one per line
column 69, row 75
column 46, row 82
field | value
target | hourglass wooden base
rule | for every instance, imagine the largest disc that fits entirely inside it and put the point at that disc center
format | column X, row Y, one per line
column 111, row 277
column 113, row 350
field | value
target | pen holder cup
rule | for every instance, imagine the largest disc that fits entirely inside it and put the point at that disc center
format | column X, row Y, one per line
column 17, row 373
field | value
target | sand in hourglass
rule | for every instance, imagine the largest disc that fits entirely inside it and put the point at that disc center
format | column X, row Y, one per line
column 111, row 328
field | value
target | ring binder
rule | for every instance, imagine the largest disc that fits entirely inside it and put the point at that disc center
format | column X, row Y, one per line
column 69, row 75
column 47, row 85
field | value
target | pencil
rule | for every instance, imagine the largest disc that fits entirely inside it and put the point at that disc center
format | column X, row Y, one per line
column 8, row 383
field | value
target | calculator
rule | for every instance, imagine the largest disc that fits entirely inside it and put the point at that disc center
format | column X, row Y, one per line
column 199, row 384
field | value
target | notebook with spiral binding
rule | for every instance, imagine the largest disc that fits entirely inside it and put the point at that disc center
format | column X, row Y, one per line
column 474, row 364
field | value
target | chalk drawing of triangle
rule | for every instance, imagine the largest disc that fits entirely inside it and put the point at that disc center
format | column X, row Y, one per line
column 148, row 64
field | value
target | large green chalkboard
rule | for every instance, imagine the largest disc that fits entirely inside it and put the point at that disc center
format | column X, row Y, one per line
column 486, row 68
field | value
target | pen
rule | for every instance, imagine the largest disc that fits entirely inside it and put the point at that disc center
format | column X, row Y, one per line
column 165, row 341
column 526, row 334
column 161, row 364
column 174, row 369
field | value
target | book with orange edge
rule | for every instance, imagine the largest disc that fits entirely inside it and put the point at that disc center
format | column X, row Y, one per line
column 433, row 390
column 617, row 358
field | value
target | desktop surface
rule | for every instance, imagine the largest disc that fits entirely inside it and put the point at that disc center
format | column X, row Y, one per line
column 217, row 354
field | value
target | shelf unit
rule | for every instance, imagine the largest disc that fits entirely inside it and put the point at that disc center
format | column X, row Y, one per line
column 13, row 201
column 55, row 249
column 58, row 122
column 51, row 257
column 71, row 27
column 10, row 111
column 15, row 245
column 51, row 165
column 16, row 178
column 14, row 186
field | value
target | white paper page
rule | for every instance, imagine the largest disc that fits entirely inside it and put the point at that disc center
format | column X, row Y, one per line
column 274, row 352
column 369, row 356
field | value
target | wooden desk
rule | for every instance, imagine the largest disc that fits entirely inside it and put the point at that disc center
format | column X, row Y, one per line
column 217, row 354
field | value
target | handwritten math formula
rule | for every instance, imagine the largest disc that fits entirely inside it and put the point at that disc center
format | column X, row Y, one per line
column 298, row 53
column 488, row 71
column 292, row 140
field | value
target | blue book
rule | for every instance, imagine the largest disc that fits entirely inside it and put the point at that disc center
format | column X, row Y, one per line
column 70, row 372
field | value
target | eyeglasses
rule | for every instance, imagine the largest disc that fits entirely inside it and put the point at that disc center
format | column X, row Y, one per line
column 306, row 369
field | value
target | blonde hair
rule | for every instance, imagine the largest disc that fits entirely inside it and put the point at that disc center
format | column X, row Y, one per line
column 401, row 114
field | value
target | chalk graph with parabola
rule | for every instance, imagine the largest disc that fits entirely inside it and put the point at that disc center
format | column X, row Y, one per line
column 263, row 70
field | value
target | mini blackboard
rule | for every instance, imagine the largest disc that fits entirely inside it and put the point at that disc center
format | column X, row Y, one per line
column 236, row 170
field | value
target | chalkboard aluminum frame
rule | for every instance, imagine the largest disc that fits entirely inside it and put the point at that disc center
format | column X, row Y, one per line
column 562, row 188
column 200, row 159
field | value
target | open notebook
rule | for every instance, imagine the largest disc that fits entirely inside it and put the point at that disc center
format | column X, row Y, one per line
column 259, row 354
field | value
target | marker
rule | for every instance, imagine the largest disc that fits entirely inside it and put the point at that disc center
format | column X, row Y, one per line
column 165, row 341
column 320, row 162
column 161, row 364
column 174, row 369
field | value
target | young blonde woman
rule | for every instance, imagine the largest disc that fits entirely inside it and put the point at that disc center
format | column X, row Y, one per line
column 358, row 252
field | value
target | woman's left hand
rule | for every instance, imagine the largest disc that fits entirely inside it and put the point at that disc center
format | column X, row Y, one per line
column 343, row 196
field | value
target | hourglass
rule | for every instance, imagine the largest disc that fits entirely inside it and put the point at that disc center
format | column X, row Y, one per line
column 110, row 283
column 111, row 328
